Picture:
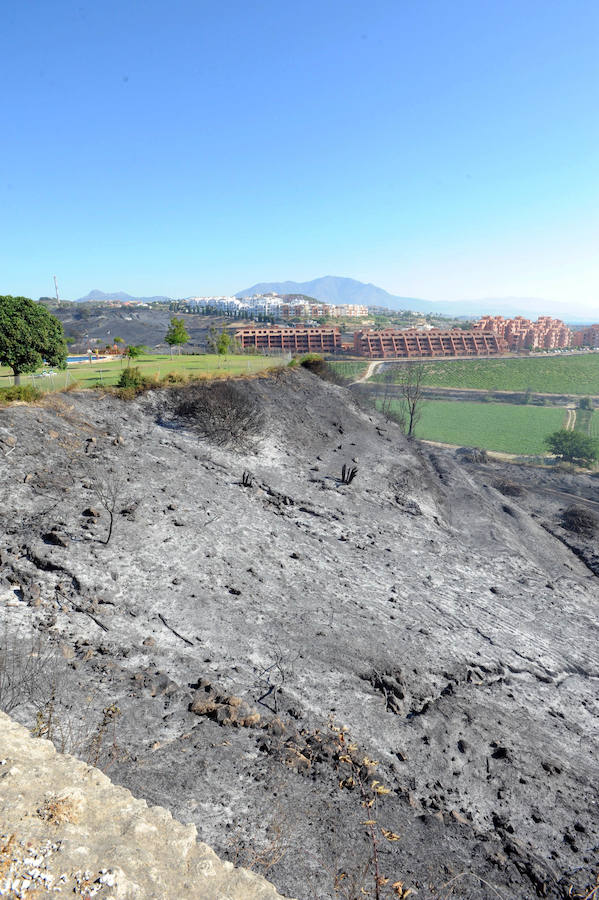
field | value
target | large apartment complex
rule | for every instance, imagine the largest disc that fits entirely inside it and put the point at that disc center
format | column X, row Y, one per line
column 522, row 334
column 586, row 337
column 392, row 342
column 291, row 340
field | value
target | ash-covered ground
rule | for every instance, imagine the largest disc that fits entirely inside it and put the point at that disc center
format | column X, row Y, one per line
column 250, row 606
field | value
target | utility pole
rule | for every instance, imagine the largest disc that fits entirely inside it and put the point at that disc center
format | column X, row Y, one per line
column 56, row 289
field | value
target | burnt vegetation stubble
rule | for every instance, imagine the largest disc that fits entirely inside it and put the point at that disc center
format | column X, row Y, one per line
column 287, row 745
column 220, row 412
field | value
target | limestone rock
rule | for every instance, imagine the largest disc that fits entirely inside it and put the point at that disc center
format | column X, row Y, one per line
column 64, row 825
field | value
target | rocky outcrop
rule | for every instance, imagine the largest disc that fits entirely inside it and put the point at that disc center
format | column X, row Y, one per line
column 65, row 828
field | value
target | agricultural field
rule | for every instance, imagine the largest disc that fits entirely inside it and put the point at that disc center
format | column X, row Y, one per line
column 542, row 374
column 349, row 369
column 89, row 375
column 587, row 422
column 494, row 426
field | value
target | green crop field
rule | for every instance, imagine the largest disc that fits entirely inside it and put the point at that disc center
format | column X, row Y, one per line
column 542, row 374
column 348, row 368
column 583, row 421
column 90, row 375
column 495, row 426
column 587, row 422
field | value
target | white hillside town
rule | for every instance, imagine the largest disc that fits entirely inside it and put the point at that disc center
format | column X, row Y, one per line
column 276, row 306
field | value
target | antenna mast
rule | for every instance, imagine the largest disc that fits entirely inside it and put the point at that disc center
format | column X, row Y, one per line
column 56, row 289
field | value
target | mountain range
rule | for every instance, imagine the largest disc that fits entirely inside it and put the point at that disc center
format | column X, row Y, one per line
column 337, row 290
column 99, row 296
column 331, row 289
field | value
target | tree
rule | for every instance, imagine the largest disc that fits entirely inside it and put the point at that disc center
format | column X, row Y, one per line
column 218, row 343
column 573, row 446
column 108, row 486
column 135, row 350
column 176, row 334
column 29, row 336
column 223, row 342
column 411, row 396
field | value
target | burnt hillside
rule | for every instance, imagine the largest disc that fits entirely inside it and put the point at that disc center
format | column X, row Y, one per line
column 249, row 605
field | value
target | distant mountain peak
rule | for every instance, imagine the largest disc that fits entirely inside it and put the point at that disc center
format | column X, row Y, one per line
column 336, row 289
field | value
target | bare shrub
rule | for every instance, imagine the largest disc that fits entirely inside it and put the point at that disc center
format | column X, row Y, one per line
column 221, row 412
column 472, row 455
column 109, row 487
column 263, row 853
column 509, row 488
column 29, row 670
column 580, row 520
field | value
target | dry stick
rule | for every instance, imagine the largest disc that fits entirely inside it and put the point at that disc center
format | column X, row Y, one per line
column 375, row 846
column 176, row 633
column 80, row 609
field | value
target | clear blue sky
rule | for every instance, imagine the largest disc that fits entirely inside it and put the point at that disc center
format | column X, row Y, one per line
column 442, row 149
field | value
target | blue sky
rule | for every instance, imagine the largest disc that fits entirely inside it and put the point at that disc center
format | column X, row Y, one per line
column 440, row 149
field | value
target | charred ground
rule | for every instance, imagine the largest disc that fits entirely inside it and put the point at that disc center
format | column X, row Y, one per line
column 249, row 605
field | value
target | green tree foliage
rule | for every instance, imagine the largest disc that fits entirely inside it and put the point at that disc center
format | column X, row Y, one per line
column 223, row 342
column 218, row 342
column 573, row 446
column 29, row 336
column 176, row 334
column 134, row 351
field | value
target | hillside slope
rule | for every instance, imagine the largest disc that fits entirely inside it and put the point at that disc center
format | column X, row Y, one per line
column 237, row 627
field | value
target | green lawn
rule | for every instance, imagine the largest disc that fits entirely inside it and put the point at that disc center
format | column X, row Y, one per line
column 542, row 374
column 494, row 426
column 90, row 375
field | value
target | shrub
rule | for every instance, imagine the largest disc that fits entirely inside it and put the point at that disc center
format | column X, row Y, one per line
column 222, row 412
column 509, row 488
column 28, row 670
column 131, row 377
column 317, row 364
column 573, row 446
column 27, row 393
column 174, row 378
column 580, row 520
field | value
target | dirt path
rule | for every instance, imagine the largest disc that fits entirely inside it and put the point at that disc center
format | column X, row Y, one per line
column 370, row 370
column 570, row 417
column 492, row 454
